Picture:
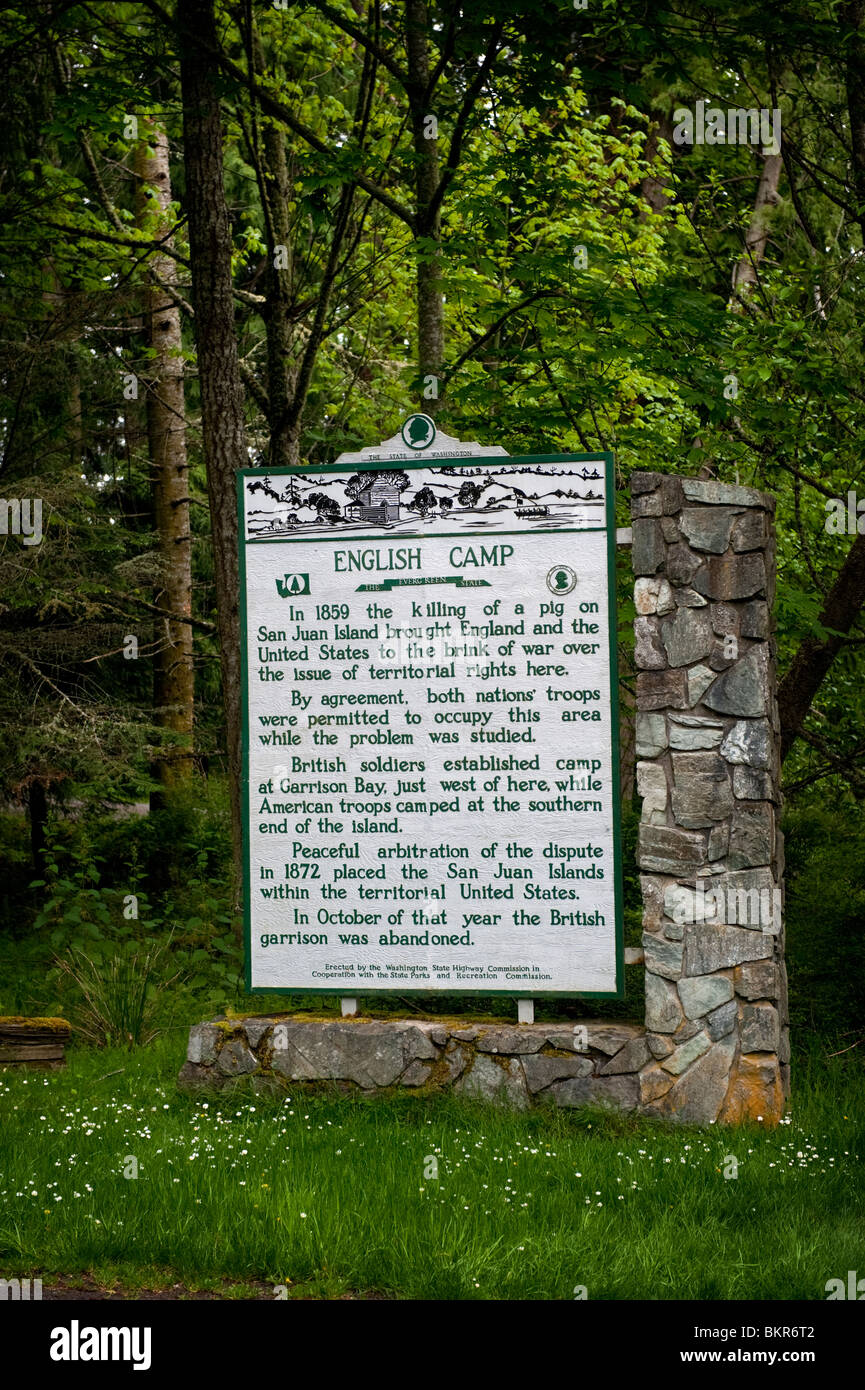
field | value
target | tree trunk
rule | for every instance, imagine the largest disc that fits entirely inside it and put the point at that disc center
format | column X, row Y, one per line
column 745, row 270
column 846, row 598
column 843, row 604
column 430, row 303
column 656, row 191
column 274, row 188
column 37, row 810
column 222, row 423
column 173, row 679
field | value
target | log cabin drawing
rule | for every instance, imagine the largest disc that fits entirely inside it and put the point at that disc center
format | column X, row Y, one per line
column 377, row 501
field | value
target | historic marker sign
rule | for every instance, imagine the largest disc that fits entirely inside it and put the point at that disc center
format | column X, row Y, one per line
column 431, row 781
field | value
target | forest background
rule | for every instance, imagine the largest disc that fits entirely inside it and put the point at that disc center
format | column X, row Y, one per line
column 263, row 233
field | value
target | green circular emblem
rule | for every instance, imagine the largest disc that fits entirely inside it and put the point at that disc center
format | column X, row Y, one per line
column 418, row 432
column 561, row 580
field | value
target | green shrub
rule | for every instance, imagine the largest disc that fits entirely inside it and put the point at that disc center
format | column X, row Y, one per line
column 115, row 998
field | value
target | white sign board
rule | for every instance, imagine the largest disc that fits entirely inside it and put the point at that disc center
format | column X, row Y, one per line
column 430, row 743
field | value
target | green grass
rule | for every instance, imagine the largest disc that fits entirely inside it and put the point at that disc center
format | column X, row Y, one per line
column 328, row 1196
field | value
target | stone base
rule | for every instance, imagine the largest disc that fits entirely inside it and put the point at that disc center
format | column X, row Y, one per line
column 595, row 1062
column 515, row 1066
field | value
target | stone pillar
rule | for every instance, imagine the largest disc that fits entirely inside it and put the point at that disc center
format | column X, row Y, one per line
column 710, row 850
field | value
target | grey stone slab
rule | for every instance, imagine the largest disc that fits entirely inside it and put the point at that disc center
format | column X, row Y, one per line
column 416, row 1074
column 709, row 492
column 721, row 1021
column 689, row 733
column 499, row 1081
column 653, row 596
column 681, row 901
column 649, row 652
column 683, row 564
column 630, row 1058
column 659, row 1044
column 759, row 1028
column 699, row 680
column 755, row 619
column 701, row 994
column 708, row 528
column 749, row 743
column 610, row 1037
column 752, row 835
column 368, row 1055
column 662, row 690
column 648, row 548
column 698, row 803
column 654, row 1083
column 697, row 1096
column 616, row 1092
column 235, row 1059
column 701, row 763
column 663, row 1009
column 669, row 529
column 731, row 576
column 687, row 636
column 653, row 890
column 255, row 1029
column 751, row 785
column 204, row 1040
column 542, row 1071
column 644, row 481
column 436, row 1032
column 751, row 531
column 509, row 1040
column 751, row 899
column 672, row 496
column 195, row 1076
column 744, row 690
column 651, row 734
column 719, row 841
column 709, row 948
column 686, row 1030
column 647, row 505
column 456, row 1057
column 669, row 850
column 721, row 658
column 662, row 957
column 689, row 598
column 681, row 1057
column 701, row 792
column 652, row 788
column 757, row 980
column 725, row 619
column 784, row 1051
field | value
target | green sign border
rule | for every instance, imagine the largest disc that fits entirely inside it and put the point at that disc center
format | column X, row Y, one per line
column 502, row 460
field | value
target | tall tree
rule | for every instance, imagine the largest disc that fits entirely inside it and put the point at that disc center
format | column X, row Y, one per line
column 173, row 676
column 222, row 400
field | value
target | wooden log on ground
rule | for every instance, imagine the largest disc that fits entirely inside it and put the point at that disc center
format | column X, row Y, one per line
column 35, row 1042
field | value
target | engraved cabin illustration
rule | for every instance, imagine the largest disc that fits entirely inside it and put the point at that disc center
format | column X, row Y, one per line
column 377, row 500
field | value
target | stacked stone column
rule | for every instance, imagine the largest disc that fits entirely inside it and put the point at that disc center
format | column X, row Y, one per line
column 710, row 849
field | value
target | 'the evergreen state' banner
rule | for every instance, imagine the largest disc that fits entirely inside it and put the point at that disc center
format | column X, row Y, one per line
column 430, row 743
